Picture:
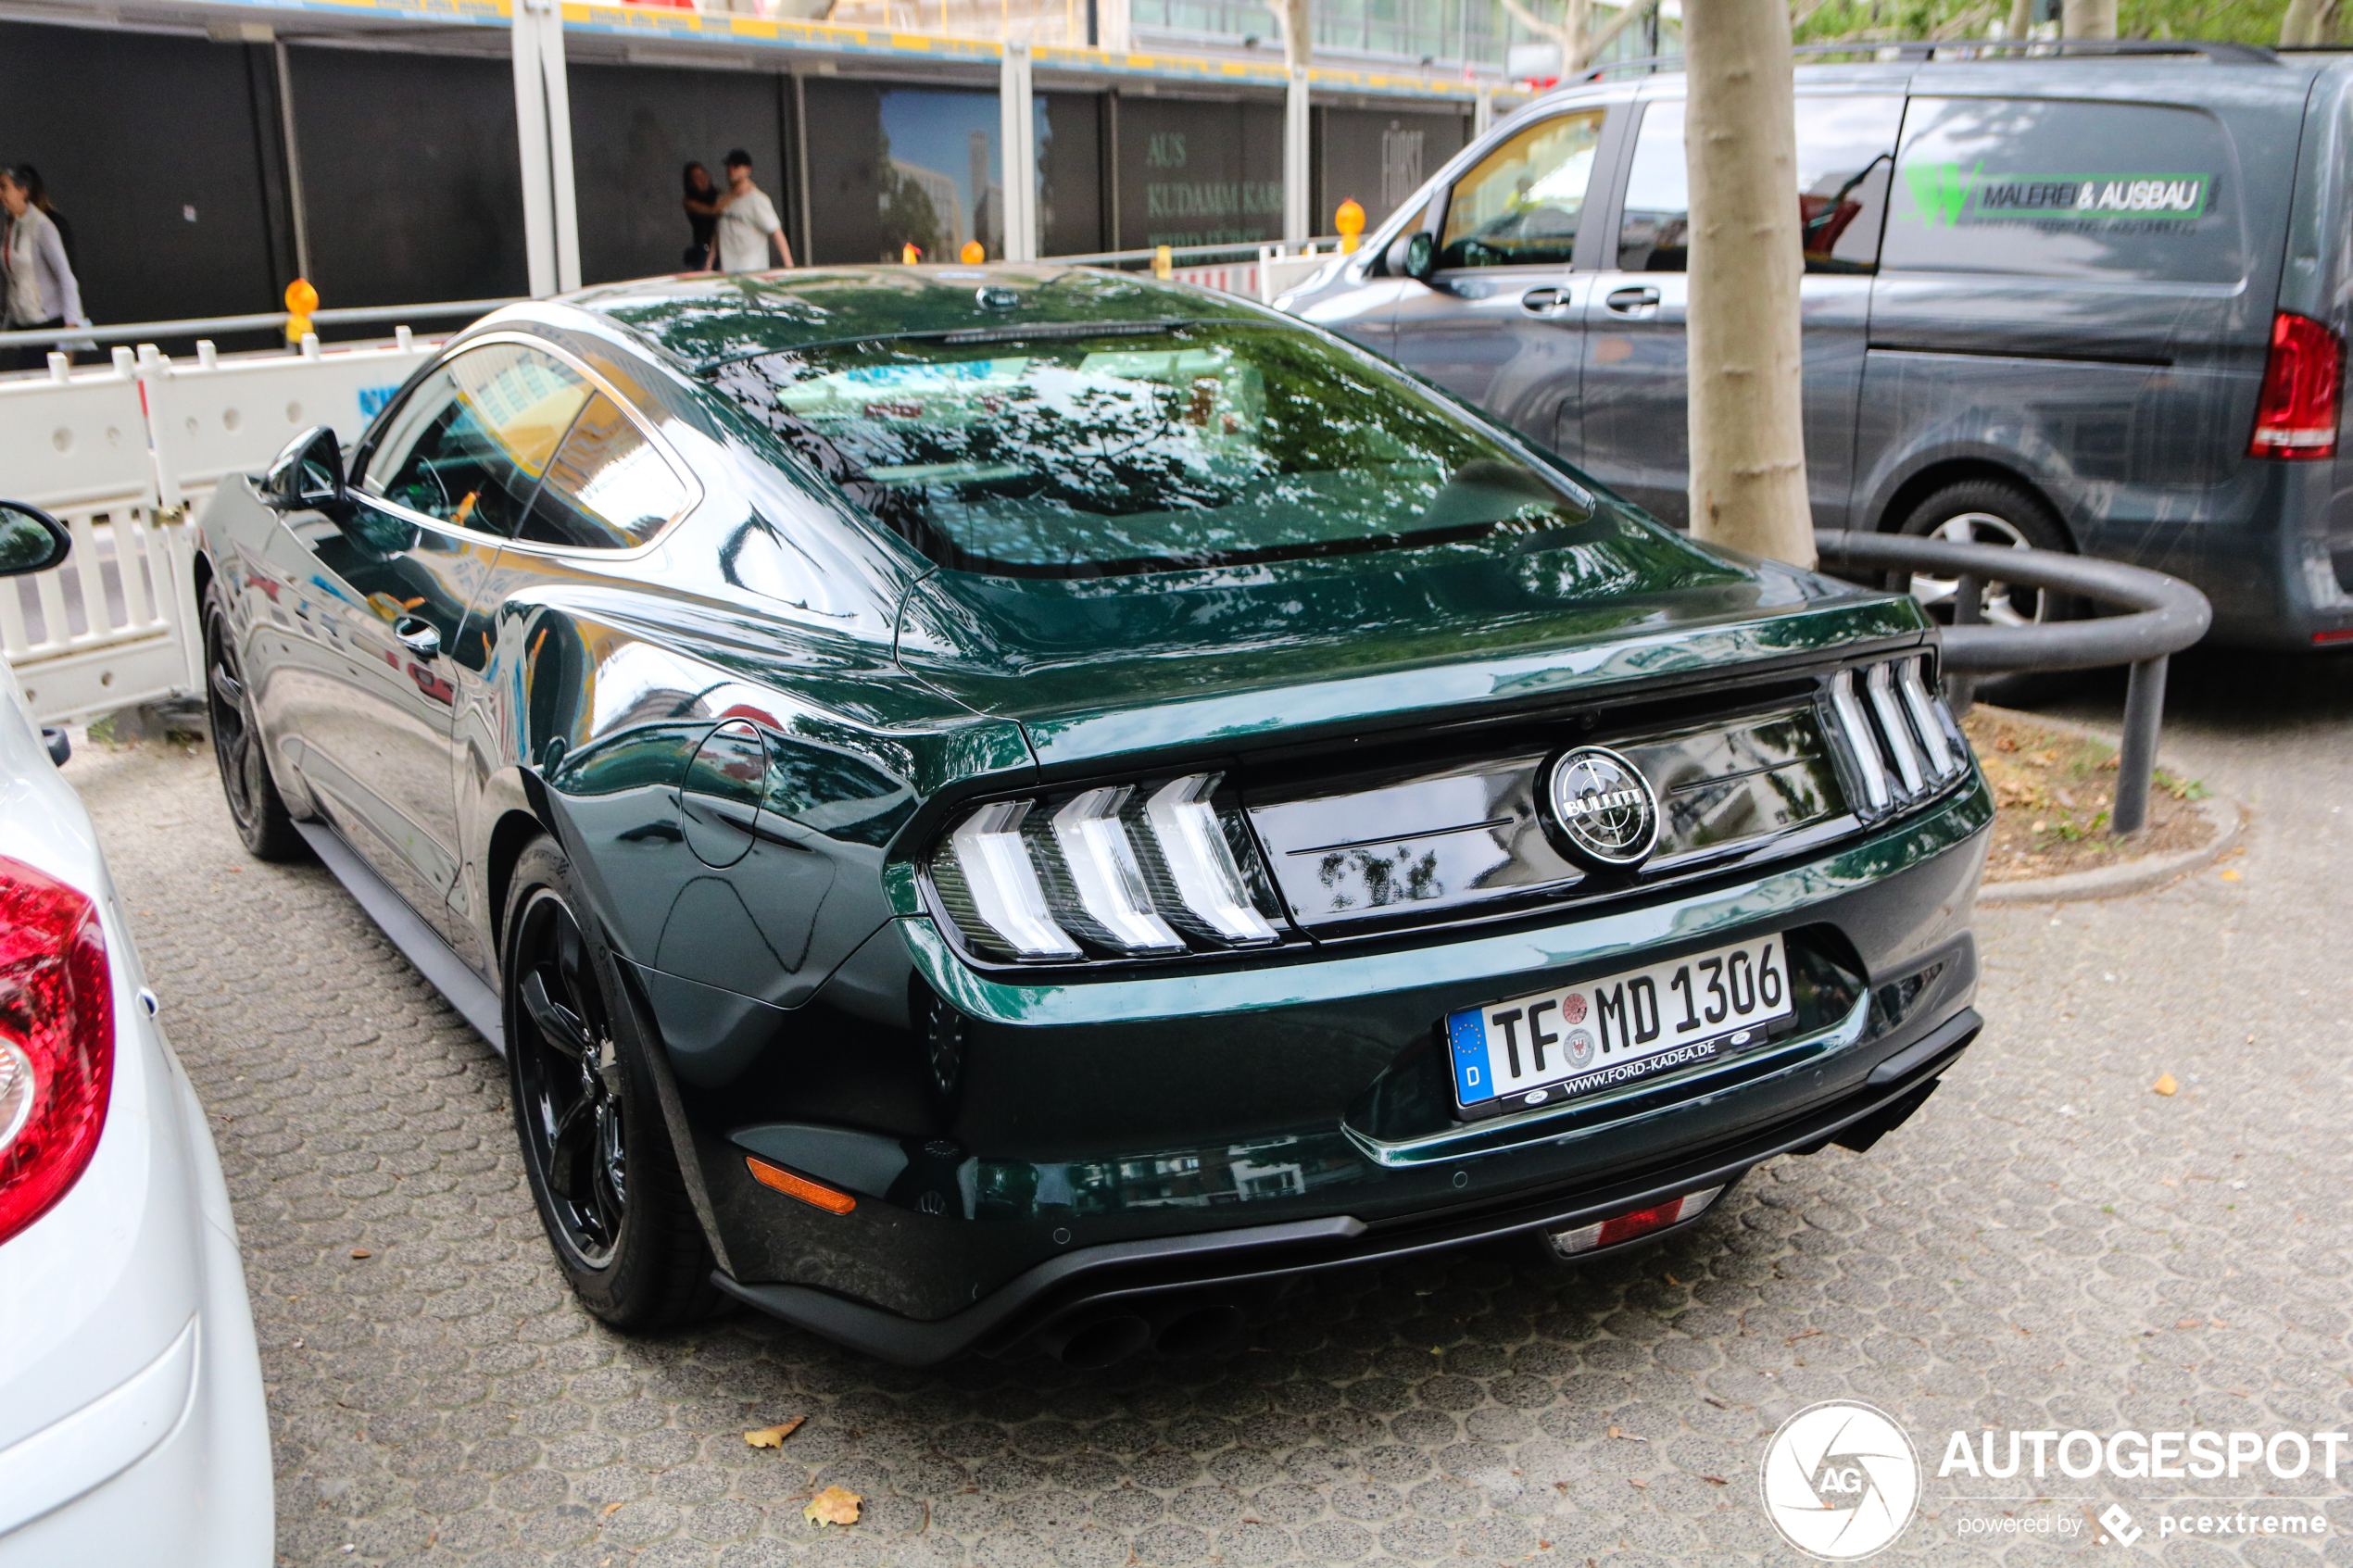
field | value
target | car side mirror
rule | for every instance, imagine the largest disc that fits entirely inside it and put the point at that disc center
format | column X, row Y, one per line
column 1415, row 256
column 31, row 540
column 308, row 476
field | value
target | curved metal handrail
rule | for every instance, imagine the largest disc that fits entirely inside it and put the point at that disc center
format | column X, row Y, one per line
column 2163, row 615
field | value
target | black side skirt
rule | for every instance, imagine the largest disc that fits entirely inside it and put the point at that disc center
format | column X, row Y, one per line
column 418, row 942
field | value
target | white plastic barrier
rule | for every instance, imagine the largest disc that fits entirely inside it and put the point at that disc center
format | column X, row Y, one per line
column 211, row 418
column 124, row 455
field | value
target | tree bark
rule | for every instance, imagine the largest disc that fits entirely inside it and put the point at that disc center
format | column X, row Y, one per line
column 1747, row 431
column 2087, row 19
column 2021, row 19
column 2302, row 22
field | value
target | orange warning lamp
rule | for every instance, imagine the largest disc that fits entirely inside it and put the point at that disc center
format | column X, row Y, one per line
column 301, row 300
column 973, row 256
column 1350, row 221
column 910, row 254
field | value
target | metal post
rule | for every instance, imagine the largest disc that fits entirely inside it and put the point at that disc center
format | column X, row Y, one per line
column 293, row 164
column 1969, row 609
column 531, row 147
column 1017, row 154
column 556, row 87
column 2136, row 761
column 1483, row 112
column 1298, row 219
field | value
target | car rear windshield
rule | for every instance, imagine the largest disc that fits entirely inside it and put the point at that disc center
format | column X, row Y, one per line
column 1156, row 447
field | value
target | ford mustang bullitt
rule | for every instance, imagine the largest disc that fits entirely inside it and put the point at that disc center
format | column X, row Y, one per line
column 1020, row 807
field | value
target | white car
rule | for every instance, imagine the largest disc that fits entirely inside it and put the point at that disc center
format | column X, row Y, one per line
column 131, row 1423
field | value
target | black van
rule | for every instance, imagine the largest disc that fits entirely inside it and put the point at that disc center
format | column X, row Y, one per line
column 2092, row 303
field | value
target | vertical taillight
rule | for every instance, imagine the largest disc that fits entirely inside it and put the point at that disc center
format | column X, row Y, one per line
column 56, row 1041
column 2295, row 417
column 1118, row 871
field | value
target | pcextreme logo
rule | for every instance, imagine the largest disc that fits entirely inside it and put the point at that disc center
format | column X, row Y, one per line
column 1840, row 1480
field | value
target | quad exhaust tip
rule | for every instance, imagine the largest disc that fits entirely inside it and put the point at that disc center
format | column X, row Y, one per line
column 1185, row 1327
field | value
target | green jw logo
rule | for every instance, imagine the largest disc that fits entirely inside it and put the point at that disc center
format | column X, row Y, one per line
column 1941, row 190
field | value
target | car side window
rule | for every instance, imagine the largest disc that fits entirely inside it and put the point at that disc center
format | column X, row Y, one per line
column 2064, row 188
column 1845, row 154
column 470, row 445
column 609, row 487
column 1520, row 205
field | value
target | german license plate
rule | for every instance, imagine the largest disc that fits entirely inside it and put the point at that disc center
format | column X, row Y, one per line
column 1556, row 1045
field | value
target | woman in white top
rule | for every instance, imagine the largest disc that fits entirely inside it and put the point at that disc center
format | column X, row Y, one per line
column 41, row 288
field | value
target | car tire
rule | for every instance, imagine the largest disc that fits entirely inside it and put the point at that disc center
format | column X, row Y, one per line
column 257, row 810
column 595, row 1149
column 1994, row 511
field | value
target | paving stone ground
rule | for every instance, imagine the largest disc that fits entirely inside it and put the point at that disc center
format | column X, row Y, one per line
column 2048, row 1245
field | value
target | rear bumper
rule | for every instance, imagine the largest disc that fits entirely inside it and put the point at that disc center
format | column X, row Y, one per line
column 1095, row 1278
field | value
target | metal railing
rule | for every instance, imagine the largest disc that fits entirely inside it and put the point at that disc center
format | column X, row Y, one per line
column 265, row 321
column 2162, row 616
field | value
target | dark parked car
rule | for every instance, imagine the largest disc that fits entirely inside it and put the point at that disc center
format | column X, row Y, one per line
column 1021, row 806
column 2090, row 303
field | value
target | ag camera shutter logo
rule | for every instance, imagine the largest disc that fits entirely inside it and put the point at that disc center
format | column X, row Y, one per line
column 1840, row 1480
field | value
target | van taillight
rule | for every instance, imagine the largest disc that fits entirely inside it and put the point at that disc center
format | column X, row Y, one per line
column 57, row 1041
column 2296, row 415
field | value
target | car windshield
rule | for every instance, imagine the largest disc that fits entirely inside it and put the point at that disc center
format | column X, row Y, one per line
column 1098, row 451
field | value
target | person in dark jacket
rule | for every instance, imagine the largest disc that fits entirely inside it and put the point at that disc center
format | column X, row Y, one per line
column 703, row 206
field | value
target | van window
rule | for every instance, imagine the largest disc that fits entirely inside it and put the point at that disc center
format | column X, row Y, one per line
column 2056, row 188
column 1522, row 203
column 1846, row 146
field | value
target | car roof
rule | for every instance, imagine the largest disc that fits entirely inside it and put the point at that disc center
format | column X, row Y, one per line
column 702, row 319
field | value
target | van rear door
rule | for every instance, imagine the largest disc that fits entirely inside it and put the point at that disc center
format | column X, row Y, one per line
column 2068, row 288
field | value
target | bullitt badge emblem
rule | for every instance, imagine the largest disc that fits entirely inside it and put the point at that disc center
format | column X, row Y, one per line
column 1604, row 813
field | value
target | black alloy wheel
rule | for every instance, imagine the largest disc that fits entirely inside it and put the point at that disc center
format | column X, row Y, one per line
column 595, row 1147
column 568, row 1084
column 262, row 822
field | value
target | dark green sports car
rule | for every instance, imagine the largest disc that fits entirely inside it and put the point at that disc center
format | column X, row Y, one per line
column 1020, row 807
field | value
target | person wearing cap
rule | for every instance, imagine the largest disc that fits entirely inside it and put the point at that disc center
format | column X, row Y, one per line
column 747, row 221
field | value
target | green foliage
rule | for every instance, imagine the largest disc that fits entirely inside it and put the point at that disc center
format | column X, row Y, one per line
column 2237, row 21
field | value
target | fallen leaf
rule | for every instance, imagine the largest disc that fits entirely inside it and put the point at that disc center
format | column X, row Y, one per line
column 1796, row 1337
column 1638, row 1481
column 613, row 1508
column 1627, row 1436
column 835, row 1505
column 2188, row 1323
column 2230, row 874
column 1716, row 1480
column 361, row 1252
column 2165, row 1085
column 774, row 1437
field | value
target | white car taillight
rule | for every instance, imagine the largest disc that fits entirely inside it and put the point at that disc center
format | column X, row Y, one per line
column 1126, row 877
column 57, row 1041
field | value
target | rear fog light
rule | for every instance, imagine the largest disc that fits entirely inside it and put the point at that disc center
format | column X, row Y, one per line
column 1635, row 1223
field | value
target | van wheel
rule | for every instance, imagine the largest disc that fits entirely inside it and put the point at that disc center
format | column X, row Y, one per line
column 1993, row 511
column 595, row 1147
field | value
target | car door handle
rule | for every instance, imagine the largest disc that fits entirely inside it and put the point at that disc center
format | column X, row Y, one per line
column 1633, row 302
column 1543, row 301
column 418, row 636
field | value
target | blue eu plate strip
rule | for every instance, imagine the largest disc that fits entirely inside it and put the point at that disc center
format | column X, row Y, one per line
column 1467, row 1034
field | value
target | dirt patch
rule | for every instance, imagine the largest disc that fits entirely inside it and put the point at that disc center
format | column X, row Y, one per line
column 2054, row 793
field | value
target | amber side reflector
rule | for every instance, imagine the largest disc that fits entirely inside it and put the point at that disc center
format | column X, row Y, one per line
column 784, row 1181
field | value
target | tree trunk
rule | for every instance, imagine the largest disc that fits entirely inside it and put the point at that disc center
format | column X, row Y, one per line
column 2087, row 19
column 2021, row 19
column 2302, row 23
column 1748, row 435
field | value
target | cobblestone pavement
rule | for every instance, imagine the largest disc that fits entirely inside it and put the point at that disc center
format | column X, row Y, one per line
column 2049, row 1244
